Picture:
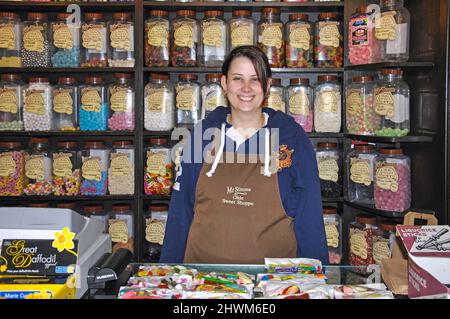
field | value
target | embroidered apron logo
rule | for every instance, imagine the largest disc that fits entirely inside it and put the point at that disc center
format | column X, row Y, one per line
column 237, row 196
column 284, row 157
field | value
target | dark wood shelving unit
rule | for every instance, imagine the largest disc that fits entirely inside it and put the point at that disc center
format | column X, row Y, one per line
column 373, row 210
column 61, row 6
column 402, row 65
column 66, row 70
column 67, row 198
column 67, row 133
column 383, row 139
column 219, row 70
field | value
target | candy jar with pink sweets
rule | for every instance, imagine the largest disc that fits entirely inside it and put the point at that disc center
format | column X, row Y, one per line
column 333, row 230
column 300, row 102
column 121, row 103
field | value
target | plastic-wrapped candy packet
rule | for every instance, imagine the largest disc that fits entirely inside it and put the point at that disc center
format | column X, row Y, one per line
column 147, row 293
column 260, row 278
column 239, row 278
column 178, row 282
column 293, row 265
column 290, row 287
column 370, row 291
column 164, row 270
column 215, row 295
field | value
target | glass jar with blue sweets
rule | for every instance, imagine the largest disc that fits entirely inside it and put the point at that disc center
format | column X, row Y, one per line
column 93, row 105
column 94, row 169
column 66, row 42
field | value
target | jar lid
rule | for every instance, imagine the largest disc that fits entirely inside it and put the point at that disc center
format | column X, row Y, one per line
column 327, row 15
column 63, row 16
column 122, row 75
column 213, row 13
column 93, row 16
column 327, row 78
column 366, row 219
column 329, row 210
column 159, row 13
column 37, row 16
column 92, row 209
column 391, row 72
column 121, row 16
column 299, row 81
column 68, row 80
column 38, row 80
column 298, row 16
column 188, row 76
column 37, row 205
column 159, row 76
column 362, row 79
column 68, row 205
column 158, row 208
column 39, row 140
column 361, row 9
column 213, row 76
column 94, row 80
column 67, row 144
column 157, row 141
column 9, row 15
column 276, row 81
column 267, row 10
column 391, row 151
column 94, row 144
column 122, row 143
column 387, row 225
column 242, row 13
column 327, row 145
column 10, row 77
column 186, row 13
column 364, row 147
column 10, row 144
column 121, row 208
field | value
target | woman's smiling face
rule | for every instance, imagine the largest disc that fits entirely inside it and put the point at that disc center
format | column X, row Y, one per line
column 244, row 91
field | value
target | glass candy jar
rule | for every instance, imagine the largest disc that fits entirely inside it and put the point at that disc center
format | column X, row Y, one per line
column 360, row 179
column 66, row 42
column 12, row 169
column 10, row 40
column 121, row 103
column 35, row 50
column 276, row 98
column 93, row 105
column 94, row 169
column 328, row 41
column 299, row 41
column 361, row 233
column 392, row 191
column 93, row 41
column 384, row 240
column 213, row 39
column 121, row 168
column 157, row 30
column 184, row 39
column 121, row 41
column 271, row 36
column 159, row 103
column 65, row 104
column 158, row 177
column 329, row 163
column 327, row 105
column 212, row 94
column 11, row 102
column 300, row 102
column 187, row 100
column 241, row 29
column 121, row 227
column 66, row 172
column 333, row 231
column 37, row 113
column 99, row 213
column 38, row 168
column 155, row 226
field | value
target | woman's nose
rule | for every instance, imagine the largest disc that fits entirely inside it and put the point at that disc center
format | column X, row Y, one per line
column 246, row 86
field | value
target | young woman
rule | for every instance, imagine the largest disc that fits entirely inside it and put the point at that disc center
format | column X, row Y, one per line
column 258, row 195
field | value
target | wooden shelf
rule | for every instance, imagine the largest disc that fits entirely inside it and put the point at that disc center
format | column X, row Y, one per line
column 64, row 134
column 403, row 65
column 65, row 70
column 21, row 6
column 325, row 135
column 373, row 210
column 219, row 70
column 382, row 139
column 155, row 197
column 67, row 198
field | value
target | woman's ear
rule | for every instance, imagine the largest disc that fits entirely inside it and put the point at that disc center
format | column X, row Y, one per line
column 223, row 82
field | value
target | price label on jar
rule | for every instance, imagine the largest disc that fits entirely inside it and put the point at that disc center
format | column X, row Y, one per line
column 35, row 102
column 332, row 234
column 33, row 38
column 91, row 100
column 272, row 36
column 329, row 34
column 62, row 165
column 328, row 169
column 299, row 37
column 121, row 36
column 118, row 99
column 7, row 165
column 213, row 100
column 7, row 37
column 354, row 103
column 91, row 169
column 156, row 163
column 184, row 35
column 62, row 37
column 34, row 167
column 360, row 171
column 93, row 37
column 358, row 243
column 186, row 99
column 299, row 104
column 62, row 101
column 118, row 230
column 120, row 165
column 381, row 249
column 384, row 102
column 9, row 102
column 385, row 27
column 156, row 100
column 275, row 101
column 241, row 35
column 158, row 34
column 155, row 231
column 386, row 177
column 213, row 33
column 328, row 102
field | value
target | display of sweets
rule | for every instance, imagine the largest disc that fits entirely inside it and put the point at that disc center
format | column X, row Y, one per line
column 11, row 39
column 155, row 226
column 12, row 169
column 384, row 240
column 38, row 167
column 121, row 103
column 363, row 46
column 93, row 41
column 392, row 191
column 361, row 233
column 11, row 102
column 327, row 105
column 333, row 231
column 392, row 103
column 270, row 36
column 394, row 30
column 66, row 169
column 213, row 39
column 300, row 102
column 329, row 164
column 328, row 47
column 241, row 29
column 66, row 96
column 37, row 112
column 359, row 106
column 121, row 168
column 121, row 227
column 187, row 100
column 212, row 94
column 360, row 174
column 184, row 39
column 158, row 175
column 35, row 50
column 276, row 98
column 66, row 42
column 94, row 169
column 159, row 103
column 157, row 30
column 299, row 41
column 121, row 41
column 94, row 109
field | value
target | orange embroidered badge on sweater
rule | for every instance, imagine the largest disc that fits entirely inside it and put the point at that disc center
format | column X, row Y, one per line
column 284, row 157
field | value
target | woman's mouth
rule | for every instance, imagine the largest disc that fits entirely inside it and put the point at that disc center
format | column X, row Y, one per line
column 246, row 98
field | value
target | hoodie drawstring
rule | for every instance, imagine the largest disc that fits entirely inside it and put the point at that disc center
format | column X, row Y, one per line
column 219, row 152
column 267, row 153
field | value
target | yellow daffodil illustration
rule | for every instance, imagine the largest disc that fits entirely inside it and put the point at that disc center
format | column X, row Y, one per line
column 39, row 295
column 71, row 281
column 4, row 263
column 64, row 241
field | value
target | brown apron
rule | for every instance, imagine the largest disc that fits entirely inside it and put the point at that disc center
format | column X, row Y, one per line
column 239, row 217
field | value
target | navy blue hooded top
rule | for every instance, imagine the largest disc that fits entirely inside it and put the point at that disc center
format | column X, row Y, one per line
column 298, row 184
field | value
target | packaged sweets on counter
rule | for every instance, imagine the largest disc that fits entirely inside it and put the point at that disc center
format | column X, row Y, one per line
column 38, row 167
column 368, row 291
column 11, row 102
column 241, row 29
column 327, row 105
column 155, row 228
column 276, row 98
column 270, row 31
column 157, row 30
column 93, row 105
column 159, row 103
column 66, row 42
column 66, row 176
column 184, row 39
column 35, row 49
column 121, row 103
column 66, row 97
column 299, row 41
column 12, row 169
column 121, row 41
column 37, row 97
column 188, row 100
column 11, row 40
column 392, row 190
column 94, row 41
column 158, row 177
column 212, row 94
column 94, row 169
column 333, row 230
column 213, row 39
column 98, row 212
column 121, row 227
column 328, row 46
column 121, row 168
column 384, row 240
column 361, row 233
column 300, row 102
column 329, row 163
